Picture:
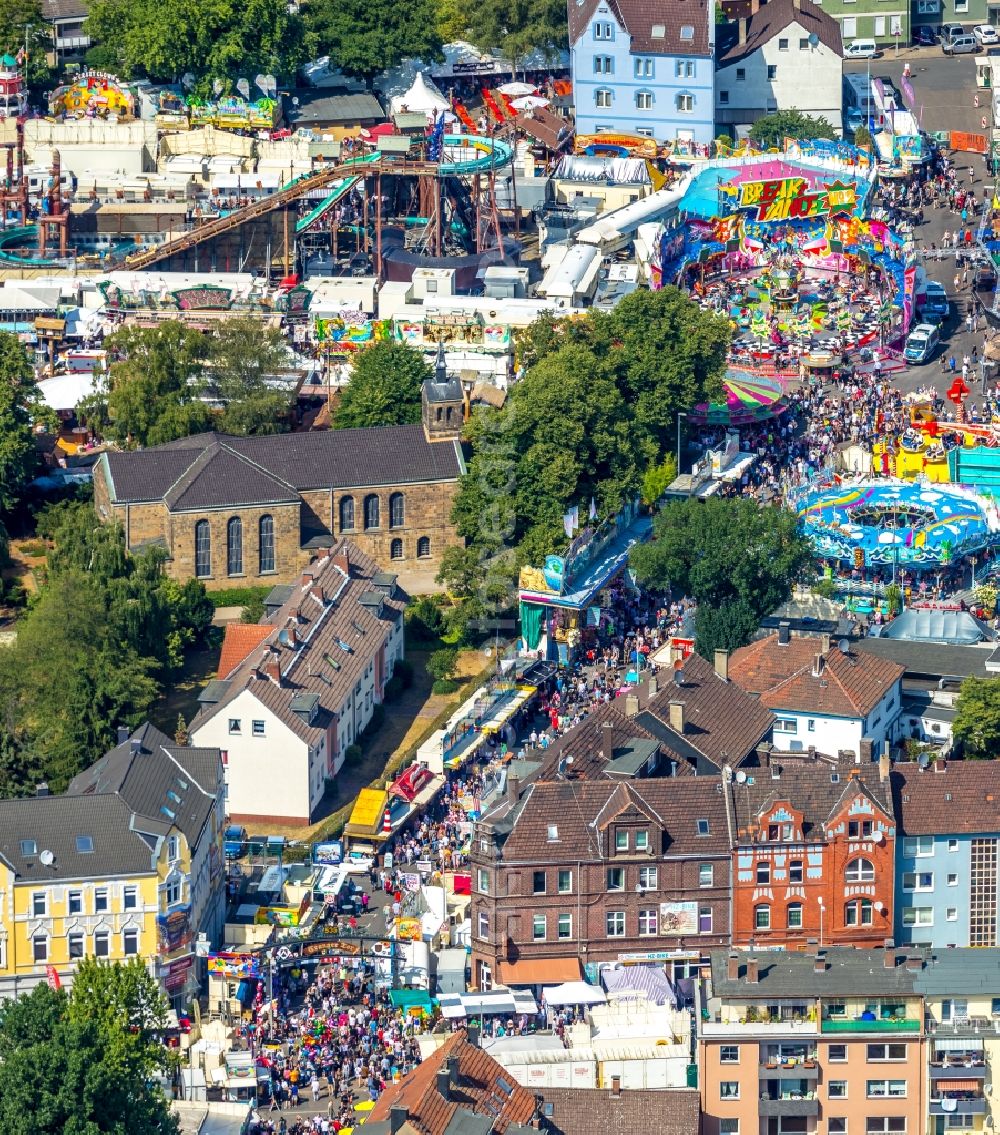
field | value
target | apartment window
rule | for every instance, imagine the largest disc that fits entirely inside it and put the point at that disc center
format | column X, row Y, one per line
column 564, row 882
column 130, row 900
column 794, row 916
column 804, row 43
column 918, row 881
column 836, row 1053
column 880, row 1052
column 684, row 69
column 918, row 846
column 101, row 900
column 644, row 68
column 643, row 100
column 538, row 927
column 951, row 914
column 483, row 926
column 772, row 72
column 885, row 1125
column 706, row 875
column 564, row 926
column 28, row 848
column 836, row 1125
column 729, row 1090
column 602, row 98
column 837, row 1090
column 723, row 98
column 880, row 1088
column 860, row 871
column 729, row 1127
column 647, row 878
column 741, row 74
column 918, row 916
column 234, row 726
column 483, row 881
column 685, row 104
column 621, row 841
column 74, row 902
column 614, row 921
column 604, row 65
column 859, row 829
column 648, row 921
column 257, row 728
column 602, row 30
column 705, row 920
column 687, row 32
column 762, row 917
column 785, row 725
column 953, row 845
column 173, row 892
column 102, row 942
column 75, row 941
column 795, row 871
column 538, row 882
column 552, row 833
column 729, row 1054
column 703, row 827
column 39, row 904
column 84, row 845
column 642, row 841
column 202, row 550
column 616, row 879
column 782, row 44
column 234, row 546
column 40, row 948
column 130, row 943
column 961, row 5
column 763, row 872
column 850, row 29
column 858, row 913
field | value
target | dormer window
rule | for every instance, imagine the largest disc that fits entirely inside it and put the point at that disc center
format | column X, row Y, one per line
column 621, row 841
column 642, row 841
column 552, row 833
column 859, row 829
column 778, row 832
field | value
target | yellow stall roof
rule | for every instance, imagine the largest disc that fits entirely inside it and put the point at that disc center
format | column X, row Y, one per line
column 368, row 810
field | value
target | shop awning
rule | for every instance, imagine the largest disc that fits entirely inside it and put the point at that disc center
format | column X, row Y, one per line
column 957, row 1085
column 409, row 999
column 506, row 1002
column 574, row 993
column 540, row 971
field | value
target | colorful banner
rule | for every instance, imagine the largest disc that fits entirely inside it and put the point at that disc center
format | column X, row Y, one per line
column 789, row 198
column 328, row 854
column 238, row 966
column 678, row 918
column 173, row 930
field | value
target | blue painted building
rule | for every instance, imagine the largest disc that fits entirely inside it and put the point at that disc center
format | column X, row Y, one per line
column 644, row 67
column 947, row 854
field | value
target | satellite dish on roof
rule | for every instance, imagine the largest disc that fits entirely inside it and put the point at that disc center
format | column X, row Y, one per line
column 813, row 39
column 741, row 776
column 877, row 837
column 845, row 646
column 47, row 858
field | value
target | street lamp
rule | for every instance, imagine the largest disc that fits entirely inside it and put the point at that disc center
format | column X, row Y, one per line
column 680, row 414
column 821, row 908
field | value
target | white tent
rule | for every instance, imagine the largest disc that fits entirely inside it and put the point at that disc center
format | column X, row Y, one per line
column 423, row 97
column 573, row 993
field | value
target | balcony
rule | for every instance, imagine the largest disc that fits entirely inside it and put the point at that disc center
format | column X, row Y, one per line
column 946, row 1106
column 788, row 1107
column 890, row 1025
column 775, row 1071
column 758, row 1028
column 958, row 1071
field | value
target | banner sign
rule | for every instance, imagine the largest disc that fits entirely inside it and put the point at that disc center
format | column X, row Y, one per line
column 787, row 198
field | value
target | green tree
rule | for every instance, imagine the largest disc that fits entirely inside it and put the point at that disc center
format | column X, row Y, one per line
column 657, row 479
column 517, row 27
column 253, row 610
column 242, row 357
column 365, row 39
column 769, row 132
column 23, row 25
column 441, row 664
column 20, row 405
column 863, row 138
column 453, row 21
column 385, row 387
column 75, row 1063
column 734, row 557
column 977, row 717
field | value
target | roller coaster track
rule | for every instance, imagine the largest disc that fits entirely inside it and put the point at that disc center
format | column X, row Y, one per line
column 490, row 154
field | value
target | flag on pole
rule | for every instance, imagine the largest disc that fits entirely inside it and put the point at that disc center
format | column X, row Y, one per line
column 575, row 514
column 593, row 509
column 568, row 524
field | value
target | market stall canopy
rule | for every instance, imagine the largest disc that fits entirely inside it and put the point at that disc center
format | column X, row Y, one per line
column 516, row 89
column 491, row 1002
column 573, row 993
column 422, row 97
column 528, row 102
column 648, row 980
column 410, row 999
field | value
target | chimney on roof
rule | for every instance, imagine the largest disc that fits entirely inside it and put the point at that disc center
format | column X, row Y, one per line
column 824, row 641
column 122, row 734
column 722, row 664
column 764, row 752
column 784, row 627
column 343, row 559
column 866, row 752
column 818, row 661
column 444, row 1083
column 513, row 785
column 652, row 686
column 743, row 32
column 42, row 788
column 914, row 963
column 677, row 717
column 607, row 740
column 889, row 954
column 733, row 967
column 751, row 970
column 316, row 591
column 472, row 1036
column 616, row 1086
column 273, row 671
column 884, row 767
column 940, row 765
column 398, row 1114
column 819, row 962
column 631, row 705
column 797, row 5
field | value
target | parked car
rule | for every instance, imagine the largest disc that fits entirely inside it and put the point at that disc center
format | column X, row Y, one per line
column 961, row 45
column 862, row 49
column 934, row 306
column 888, row 86
column 950, row 31
column 986, row 34
column 925, row 36
column 921, row 344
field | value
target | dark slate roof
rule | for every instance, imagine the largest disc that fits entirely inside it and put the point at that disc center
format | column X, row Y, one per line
column 961, row 799
column 54, row 822
column 448, row 391
column 929, row 659
column 671, row 1111
column 318, row 107
column 160, row 781
column 641, row 17
column 849, row 972
column 771, row 20
column 214, row 470
column 968, row 972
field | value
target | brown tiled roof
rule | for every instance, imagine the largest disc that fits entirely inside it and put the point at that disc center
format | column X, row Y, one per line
column 577, row 808
column 477, row 1090
column 540, row 971
column 239, row 642
column 640, row 17
column 849, row 685
column 962, row 799
column 815, row 785
column 571, row 1111
column 586, row 742
column 772, row 19
column 322, row 628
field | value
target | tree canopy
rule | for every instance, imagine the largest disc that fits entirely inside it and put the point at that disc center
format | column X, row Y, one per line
column 736, row 559
column 385, row 387
column 517, row 27
column 770, row 131
column 83, row 1061
column 62, row 694
column 209, row 38
column 20, row 406
column 365, row 39
column 164, row 381
column 23, row 25
column 977, row 717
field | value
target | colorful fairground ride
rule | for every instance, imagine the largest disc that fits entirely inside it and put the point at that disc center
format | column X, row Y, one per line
column 93, row 94
column 13, row 90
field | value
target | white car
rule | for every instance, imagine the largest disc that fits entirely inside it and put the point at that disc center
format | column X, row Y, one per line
column 986, row 33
